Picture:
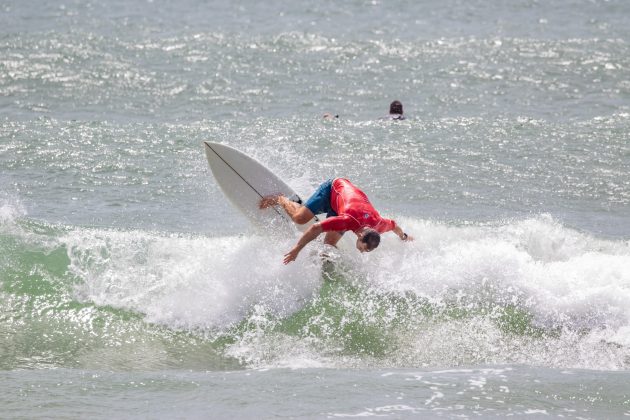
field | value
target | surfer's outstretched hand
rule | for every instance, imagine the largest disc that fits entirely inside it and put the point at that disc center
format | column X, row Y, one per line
column 291, row 256
column 268, row 201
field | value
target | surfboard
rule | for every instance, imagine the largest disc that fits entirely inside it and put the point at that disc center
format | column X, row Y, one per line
column 244, row 181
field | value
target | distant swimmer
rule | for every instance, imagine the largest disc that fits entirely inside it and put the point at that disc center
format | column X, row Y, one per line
column 329, row 116
column 395, row 111
column 346, row 208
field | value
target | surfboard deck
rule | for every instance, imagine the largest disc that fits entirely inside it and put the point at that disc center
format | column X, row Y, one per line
column 244, row 181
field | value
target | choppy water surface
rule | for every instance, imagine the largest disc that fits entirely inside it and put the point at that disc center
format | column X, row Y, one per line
column 124, row 272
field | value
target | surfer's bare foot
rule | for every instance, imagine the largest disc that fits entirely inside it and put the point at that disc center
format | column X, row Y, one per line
column 268, row 201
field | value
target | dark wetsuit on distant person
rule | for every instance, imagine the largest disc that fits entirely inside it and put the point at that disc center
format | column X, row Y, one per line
column 395, row 111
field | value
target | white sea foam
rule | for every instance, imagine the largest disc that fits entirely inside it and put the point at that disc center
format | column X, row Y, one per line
column 10, row 210
column 188, row 282
column 546, row 267
column 572, row 285
column 569, row 282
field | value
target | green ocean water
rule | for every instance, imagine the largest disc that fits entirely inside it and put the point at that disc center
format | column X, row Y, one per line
column 130, row 288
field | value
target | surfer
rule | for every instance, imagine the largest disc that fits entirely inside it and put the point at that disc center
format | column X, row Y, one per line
column 346, row 208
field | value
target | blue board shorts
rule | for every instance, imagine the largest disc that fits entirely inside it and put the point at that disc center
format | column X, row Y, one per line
column 319, row 202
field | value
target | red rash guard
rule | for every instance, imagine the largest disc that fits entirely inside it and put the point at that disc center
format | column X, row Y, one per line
column 354, row 210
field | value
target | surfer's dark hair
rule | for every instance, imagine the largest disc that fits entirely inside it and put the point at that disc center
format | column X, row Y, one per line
column 395, row 108
column 372, row 238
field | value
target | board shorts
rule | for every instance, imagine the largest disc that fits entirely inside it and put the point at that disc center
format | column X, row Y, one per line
column 319, row 202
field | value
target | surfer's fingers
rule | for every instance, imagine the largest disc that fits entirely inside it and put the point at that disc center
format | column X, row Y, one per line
column 288, row 257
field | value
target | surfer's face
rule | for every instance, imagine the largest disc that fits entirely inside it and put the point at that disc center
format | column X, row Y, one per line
column 367, row 240
column 362, row 246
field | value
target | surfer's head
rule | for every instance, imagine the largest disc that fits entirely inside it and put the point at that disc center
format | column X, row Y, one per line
column 368, row 240
column 396, row 108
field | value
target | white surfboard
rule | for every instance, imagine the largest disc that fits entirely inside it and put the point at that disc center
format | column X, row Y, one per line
column 244, row 181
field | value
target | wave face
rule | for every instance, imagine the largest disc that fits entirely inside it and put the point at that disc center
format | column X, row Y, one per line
column 528, row 291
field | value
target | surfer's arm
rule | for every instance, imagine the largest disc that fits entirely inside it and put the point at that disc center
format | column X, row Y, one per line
column 401, row 234
column 311, row 233
column 387, row 225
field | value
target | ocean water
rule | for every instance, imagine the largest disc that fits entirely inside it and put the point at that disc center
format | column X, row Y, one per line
column 130, row 288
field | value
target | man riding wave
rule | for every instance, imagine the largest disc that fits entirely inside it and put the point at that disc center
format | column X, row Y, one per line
column 346, row 208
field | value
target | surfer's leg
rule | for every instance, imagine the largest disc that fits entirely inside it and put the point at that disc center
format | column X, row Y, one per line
column 332, row 238
column 298, row 213
column 318, row 202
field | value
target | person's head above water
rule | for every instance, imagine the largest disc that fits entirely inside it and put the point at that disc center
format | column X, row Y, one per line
column 368, row 240
column 396, row 108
